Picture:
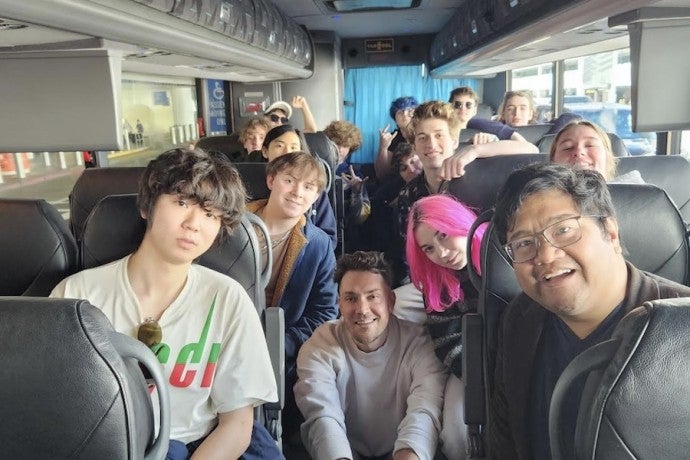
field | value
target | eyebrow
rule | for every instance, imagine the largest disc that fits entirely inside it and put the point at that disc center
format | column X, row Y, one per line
column 365, row 292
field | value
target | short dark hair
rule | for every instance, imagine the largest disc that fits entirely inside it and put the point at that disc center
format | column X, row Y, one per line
column 364, row 261
column 279, row 130
column 586, row 187
column 402, row 151
column 208, row 179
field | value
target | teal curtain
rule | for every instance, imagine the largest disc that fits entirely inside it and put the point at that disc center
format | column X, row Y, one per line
column 370, row 91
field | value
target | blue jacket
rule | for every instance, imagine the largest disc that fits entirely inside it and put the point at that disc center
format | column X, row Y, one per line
column 323, row 217
column 304, row 288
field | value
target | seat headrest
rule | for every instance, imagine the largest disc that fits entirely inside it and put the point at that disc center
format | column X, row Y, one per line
column 484, row 111
column 67, row 392
column 37, row 249
column 254, row 178
column 644, row 212
column 94, row 184
column 485, row 176
column 668, row 172
column 533, row 133
column 637, row 403
column 323, row 147
column 229, row 145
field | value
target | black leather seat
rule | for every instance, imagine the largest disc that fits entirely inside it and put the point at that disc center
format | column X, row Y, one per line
column 95, row 183
column 229, row 145
column 485, row 176
column 533, row 133
column 115, row 228
column 667, row 257
column 71, row 385
column 669, row 172
column 36, row 247
column 634, row 404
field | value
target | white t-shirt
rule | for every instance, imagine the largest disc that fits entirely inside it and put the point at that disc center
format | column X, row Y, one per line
column 372, row 403
column 214, row 351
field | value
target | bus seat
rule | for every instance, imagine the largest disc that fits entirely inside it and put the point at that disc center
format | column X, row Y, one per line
column 466, row 135
column 669, row 172
column 497, row 284
column 485, row 176
column 484, row 111
column 320, row 145
column 532, row 133
column 36, row 246
column 633, row 397
column 72, row 387
column 229, row 145
column 94, row 184
column 617, row 145
column 115, row 228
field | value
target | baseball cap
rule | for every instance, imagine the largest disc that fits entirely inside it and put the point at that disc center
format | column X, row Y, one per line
column 280, row 105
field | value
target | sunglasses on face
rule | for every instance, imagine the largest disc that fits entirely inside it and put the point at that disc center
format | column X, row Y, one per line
column 459, row 104
column 275, row 118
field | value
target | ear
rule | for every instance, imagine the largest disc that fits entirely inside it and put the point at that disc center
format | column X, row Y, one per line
column 264, row 152
column 611, row 232
column 269, row 182
column 391, row 300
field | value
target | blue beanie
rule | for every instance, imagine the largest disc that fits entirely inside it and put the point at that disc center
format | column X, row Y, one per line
column 402, row 103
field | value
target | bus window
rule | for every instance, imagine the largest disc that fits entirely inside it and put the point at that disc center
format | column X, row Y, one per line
column 537, row 79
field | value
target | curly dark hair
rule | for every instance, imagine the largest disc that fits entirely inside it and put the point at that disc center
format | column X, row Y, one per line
column 344, row 134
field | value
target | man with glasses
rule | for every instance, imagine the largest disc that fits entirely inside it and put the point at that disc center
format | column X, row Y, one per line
column 280, row 112
column 559, row 229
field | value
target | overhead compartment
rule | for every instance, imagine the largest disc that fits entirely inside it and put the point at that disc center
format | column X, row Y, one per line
column 202, row 38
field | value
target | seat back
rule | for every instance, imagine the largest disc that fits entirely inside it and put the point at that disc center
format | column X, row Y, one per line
column 484, row 111
column 229, row 145
column 94, row 184
column 635, row 396
column 36, row 248
column 321, row 146
column 497, row 284
column 533, row 133
column 72, row 387
column 485, row 176
column 668, row 172
column 617, row 145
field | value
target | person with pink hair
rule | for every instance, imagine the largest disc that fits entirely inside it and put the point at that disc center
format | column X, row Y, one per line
column 436, row 249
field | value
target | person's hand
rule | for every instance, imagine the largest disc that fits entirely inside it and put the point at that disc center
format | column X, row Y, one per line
column 353, row 181
column 386, row 138
column 454, row 166
column 299, row 102
column 483, row 138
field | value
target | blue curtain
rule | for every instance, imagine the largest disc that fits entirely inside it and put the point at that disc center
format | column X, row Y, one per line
column 370, row 91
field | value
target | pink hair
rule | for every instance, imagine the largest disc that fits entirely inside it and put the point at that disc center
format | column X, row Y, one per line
column 440, row 285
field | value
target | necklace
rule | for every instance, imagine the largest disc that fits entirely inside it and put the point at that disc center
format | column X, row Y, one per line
column 275, row 240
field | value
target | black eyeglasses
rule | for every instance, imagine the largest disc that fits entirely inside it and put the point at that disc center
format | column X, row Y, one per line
column 559, row 235
column 459, row 104
column 275, row 118
column 150, row 332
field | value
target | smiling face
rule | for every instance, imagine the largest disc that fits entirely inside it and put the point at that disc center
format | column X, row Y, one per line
column 292, row 192
column 180, row 230
column 444, row 250
column 580, row 282
column 580, row 146
column 276, row 118
column 404, row 117
column 366, row 303
column 433, row 143
column 286, row 143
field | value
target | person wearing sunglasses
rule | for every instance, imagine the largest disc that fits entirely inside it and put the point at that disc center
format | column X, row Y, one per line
column 201, row 324
column 559, row 229
column 280, row 112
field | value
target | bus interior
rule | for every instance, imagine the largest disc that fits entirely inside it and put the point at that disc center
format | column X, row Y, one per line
column 110, row 84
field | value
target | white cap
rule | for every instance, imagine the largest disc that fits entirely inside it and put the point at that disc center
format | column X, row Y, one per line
column 280, row 105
